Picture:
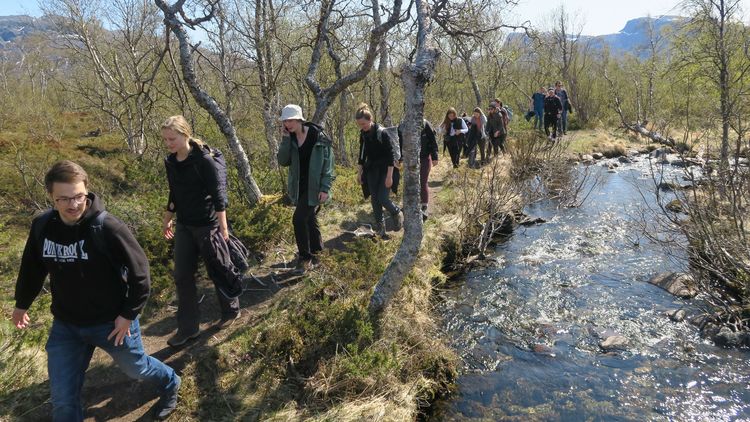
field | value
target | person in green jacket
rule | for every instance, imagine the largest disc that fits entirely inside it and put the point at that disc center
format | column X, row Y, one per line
column 307, row 151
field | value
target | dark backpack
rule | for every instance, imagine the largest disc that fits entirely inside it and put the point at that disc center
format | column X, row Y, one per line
column 97, row 238
column 218, row 162
column 393, row 137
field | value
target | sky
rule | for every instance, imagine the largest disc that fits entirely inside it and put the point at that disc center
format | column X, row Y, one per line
column 598, row 16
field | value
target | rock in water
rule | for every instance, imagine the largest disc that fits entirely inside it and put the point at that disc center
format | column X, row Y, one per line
column 614, row 343
column 678, row 284
column 677, row 315
column 597, row 156
column 625, row 160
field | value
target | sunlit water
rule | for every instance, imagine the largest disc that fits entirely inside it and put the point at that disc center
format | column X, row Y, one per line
column 528, row 330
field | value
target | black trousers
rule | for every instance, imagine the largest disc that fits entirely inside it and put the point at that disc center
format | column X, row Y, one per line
column 550, row 120
column 380, row 196
column 306, row 228
column 188, row 241
column 496, row 145
column 454, row 149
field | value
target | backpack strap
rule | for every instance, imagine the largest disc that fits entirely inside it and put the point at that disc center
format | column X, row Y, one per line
column 41, row 223
column 96, row 229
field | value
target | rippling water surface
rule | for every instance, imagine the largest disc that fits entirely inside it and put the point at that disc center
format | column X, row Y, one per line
column 529, row 329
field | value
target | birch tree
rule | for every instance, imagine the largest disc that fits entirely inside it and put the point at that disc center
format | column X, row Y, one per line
column 120, row 62
column 717, row 41
column 177, row 21
column 415, row 77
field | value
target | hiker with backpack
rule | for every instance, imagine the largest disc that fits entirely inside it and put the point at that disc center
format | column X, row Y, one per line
column 100, row 281
column 475, row 138
column 198, row 199
column 307, row 151
column 496, row 130
column 454, row 130
column 378, row 156
column 552, row 111
column 428, row 156
column 562, row 94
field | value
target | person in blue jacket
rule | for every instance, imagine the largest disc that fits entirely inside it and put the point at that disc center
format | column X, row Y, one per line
column 537, row 104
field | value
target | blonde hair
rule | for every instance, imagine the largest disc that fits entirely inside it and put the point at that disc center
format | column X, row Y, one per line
column 363, row 112
column 180, row 125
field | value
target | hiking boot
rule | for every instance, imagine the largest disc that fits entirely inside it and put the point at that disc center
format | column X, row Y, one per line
column 167, row 401
column 425, row 214
column 398, row 220
column 179, row 338
column 227, row 320
column 303, row 266
column 380, row 229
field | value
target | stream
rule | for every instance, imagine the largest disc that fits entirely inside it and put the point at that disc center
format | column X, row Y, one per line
column 528, row 330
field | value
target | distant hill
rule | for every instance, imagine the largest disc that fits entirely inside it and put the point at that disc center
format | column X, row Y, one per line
column 14, row 27
column 633, row 38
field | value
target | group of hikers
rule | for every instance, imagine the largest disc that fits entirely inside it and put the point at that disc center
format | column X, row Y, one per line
column 99, row 274
column 464, row 135
column 550, row 107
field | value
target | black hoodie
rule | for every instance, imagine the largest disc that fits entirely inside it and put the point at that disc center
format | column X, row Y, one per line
column 86, row 288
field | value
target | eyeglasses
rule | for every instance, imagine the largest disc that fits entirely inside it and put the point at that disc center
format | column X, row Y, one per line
column 76, row 200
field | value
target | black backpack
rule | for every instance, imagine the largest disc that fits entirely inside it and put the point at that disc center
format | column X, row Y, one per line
column 219, row 163
column 97, row 238
column 392, row 132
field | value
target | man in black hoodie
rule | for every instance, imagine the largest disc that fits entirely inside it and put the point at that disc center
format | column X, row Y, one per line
column 97, row 294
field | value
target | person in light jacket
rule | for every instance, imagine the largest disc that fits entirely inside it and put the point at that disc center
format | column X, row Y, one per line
column 307, row 151
column 454, row 129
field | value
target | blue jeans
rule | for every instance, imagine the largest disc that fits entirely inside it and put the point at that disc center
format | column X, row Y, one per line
column 69, row 350
column 562, row 122
column 539, row 119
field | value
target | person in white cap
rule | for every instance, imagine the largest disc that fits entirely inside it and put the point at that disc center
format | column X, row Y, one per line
column 306, row 150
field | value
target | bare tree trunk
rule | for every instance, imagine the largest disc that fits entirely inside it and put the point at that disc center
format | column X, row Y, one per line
column 415, row 78
column 385, row 92
column 465, row 53
column 343, row 156
column 204, row 99
column 266, row 76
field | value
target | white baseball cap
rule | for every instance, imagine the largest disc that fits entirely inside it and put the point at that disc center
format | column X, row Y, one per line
column 292, row 112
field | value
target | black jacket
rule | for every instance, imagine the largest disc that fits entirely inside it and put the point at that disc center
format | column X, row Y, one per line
column 195, row 190
column 552, row 105
column 374, row 152
column 428, row 142
column 86, row 288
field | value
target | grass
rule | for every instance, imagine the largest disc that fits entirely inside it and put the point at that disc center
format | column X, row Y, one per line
column 609, row 143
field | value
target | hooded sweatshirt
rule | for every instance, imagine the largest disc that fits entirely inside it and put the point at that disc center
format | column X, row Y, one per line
column 86, row 287
column 194, row 188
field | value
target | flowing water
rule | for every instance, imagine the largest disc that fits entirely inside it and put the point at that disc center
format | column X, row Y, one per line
column 528, row 329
